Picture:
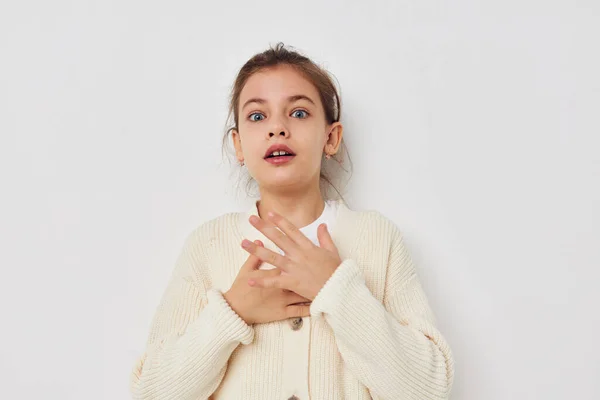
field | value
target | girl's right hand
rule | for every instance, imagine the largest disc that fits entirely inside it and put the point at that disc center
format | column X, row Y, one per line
column 257, row 305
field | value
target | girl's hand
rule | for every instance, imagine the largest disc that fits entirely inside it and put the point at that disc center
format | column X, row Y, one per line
column 305, row 267
column 257, row 305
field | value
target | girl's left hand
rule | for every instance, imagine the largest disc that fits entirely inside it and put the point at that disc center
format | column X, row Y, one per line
column 305, row 267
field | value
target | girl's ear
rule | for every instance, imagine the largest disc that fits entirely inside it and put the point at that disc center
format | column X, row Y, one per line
column 334, row 138
column 237, row 144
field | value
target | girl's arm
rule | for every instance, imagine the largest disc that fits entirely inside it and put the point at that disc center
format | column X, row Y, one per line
column 393, row 348
column 192, row 335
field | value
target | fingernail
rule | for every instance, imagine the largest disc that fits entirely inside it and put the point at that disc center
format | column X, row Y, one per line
column 245, row 243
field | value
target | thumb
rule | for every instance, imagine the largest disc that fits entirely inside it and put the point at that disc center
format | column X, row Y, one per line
column 299, row 310
column 325, row 240
column 253, row 262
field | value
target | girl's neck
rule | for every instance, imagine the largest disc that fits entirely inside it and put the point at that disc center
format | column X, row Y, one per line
column 299, row 209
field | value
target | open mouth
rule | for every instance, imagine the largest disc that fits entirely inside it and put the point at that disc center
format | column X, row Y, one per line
column 279, row 156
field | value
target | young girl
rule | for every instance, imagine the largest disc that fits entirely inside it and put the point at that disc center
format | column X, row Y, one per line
column 299, row 297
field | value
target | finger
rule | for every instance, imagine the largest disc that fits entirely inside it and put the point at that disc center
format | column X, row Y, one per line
column 253, row 262
column 266, row 255
column 276, row 235
column 290, row 230
column 295, row 298
column 265, row 273
column 295, row 311
column 325, row 240
column 269, row 282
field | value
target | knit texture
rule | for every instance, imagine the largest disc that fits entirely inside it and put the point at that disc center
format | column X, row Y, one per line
column 372, row 333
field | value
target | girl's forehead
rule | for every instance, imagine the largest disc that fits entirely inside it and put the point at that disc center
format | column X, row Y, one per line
column 283, row 81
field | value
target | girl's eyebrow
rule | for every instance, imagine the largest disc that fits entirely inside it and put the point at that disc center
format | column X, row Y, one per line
column 290, row 99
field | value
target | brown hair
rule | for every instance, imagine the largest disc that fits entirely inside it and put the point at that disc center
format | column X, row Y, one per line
column 328, row 94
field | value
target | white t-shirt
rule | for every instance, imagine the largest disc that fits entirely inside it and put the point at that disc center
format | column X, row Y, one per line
column 327, row 216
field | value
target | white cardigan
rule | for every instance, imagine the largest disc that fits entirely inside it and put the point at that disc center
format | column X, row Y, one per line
column 371, row 333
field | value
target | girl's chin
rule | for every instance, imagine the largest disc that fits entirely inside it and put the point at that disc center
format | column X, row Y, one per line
column 280, row 180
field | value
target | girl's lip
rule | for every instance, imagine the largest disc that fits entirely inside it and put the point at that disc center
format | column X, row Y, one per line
column 279, row 159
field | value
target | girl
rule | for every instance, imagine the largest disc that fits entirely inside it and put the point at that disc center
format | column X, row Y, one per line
column 299, row 297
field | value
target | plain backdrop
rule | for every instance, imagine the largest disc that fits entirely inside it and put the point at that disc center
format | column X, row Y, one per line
column 473, row 125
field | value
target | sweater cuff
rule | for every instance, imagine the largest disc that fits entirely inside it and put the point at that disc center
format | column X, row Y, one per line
column 344, row 280
column 227, row 320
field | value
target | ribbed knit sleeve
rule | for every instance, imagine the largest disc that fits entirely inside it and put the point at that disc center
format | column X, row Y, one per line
column 393, row 347
column 193, row 333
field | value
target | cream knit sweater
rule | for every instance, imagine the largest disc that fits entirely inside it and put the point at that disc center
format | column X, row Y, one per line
column 371, row 333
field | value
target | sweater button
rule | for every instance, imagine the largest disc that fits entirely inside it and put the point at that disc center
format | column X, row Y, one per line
column 296, row 324
column 294, row 398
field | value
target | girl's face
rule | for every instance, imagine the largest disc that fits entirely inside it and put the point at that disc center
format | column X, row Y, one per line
column 279, row 106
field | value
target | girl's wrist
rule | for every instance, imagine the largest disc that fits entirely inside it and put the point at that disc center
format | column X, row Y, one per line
column 230, row 299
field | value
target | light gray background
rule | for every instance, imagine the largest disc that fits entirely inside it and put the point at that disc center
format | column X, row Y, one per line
column 473, row 125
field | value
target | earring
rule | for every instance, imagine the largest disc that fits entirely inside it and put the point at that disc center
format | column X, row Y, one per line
column 327, row 156
column 241, row 164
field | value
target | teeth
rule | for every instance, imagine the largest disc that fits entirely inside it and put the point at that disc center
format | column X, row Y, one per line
column 279, row 153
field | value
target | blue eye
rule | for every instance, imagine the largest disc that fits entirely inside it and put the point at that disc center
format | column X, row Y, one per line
column 252, row 119
column 303, row 115
column 302, row 111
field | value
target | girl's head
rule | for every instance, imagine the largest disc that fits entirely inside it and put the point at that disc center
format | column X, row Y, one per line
column 282, row 97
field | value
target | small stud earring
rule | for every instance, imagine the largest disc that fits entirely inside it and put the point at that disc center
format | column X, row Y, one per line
column 327, row 156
